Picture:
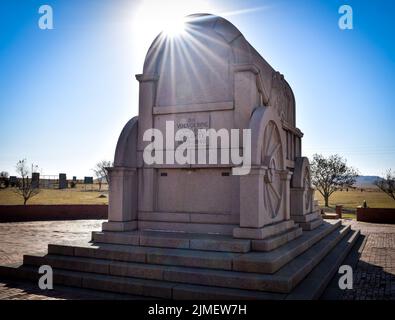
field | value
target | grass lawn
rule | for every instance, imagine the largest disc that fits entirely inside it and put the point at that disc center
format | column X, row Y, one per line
column 55, row 196
column 350, row 200
column 354, row 198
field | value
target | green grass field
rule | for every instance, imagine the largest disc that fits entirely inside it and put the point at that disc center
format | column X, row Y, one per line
column 79, row 195
column 350, row 200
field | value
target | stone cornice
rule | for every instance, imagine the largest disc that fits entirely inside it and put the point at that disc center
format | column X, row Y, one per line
column 147, row 77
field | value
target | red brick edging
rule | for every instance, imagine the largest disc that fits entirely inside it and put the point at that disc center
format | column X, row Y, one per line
column 15, row 213
column 376, row 215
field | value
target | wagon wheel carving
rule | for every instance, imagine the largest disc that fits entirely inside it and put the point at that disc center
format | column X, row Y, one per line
column 272, row 156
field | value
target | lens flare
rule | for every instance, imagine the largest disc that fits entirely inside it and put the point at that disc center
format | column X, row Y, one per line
column 174, row 27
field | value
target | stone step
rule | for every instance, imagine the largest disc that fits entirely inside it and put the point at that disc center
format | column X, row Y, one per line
column 257, row 262
column 330, row 216
column 306, row 218
column 163, row 256
column 337, row 244
column 282, row 281
column 332, row 290
column 137, row 287
column 100, row 266
column 311, row 225
column 140, row 287
column 191, row 228
column 274, row 242
column 310, row 287
column 314, row 284
column 197, row 292
column 174, row 240
column 270, row 262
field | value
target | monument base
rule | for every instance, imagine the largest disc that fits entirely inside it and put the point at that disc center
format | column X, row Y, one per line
column 191, row 266
column 308, row 221
column 264, row 232
column 119, row 226
column 269, row 237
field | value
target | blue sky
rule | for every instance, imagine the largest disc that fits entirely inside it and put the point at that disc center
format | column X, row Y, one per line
column 66, row 93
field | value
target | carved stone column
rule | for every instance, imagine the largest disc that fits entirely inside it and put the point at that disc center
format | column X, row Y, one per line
column 251, row 200
column 122, row 209
column 285, row 176
column 147, row 91
column 147, row 97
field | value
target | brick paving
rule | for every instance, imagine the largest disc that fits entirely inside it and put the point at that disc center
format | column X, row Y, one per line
column 16, row 290
column 26, row 291
column 374, row 273
column 19, row 238
column 374, row 268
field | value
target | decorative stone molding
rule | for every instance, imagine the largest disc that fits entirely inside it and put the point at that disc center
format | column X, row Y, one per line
column 147, row 77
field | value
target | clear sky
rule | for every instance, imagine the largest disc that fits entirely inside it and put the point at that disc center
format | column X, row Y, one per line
column 66, row 93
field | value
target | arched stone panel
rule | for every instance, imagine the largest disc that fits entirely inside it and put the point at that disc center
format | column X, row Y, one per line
column 122, row 209
column 126, row 150
column 302, row 193
column 298, row 178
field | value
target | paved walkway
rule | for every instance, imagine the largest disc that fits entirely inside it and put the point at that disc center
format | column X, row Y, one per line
column 373, row 262
column 17, row 290
column 17, row 239
column 373, row 259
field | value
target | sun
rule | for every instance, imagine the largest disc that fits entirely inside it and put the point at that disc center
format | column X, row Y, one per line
column 149, row 18
column 152, row 17
column 174, row 27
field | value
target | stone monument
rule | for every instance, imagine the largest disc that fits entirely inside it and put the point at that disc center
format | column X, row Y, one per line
column 63, row 181
column 208, row 230
column 35, row 179
column 213, row 76
column 88, row 180
column 13, row 181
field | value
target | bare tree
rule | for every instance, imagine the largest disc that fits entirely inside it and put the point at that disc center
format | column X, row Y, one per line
column 387, row 184
column 329, row 174
column 101, row 171
column 24, row 187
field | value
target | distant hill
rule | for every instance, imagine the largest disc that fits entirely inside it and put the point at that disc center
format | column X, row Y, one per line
column 366, row 181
